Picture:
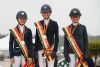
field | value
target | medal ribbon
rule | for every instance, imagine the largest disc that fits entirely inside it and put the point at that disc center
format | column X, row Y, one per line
column 73, row 29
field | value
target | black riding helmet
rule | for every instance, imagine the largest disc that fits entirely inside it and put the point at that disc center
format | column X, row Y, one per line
column 21, row 14
column 75, row 12
column 46, row 8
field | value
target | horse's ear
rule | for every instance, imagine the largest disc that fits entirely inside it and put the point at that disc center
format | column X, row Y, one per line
column 90, row 62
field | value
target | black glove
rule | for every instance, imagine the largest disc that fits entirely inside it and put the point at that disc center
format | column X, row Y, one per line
column 67, row 59
column 42, row 54
column 84, row 58
column 54, row 55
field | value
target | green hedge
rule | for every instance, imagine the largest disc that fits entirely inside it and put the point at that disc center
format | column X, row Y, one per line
column 94, row 47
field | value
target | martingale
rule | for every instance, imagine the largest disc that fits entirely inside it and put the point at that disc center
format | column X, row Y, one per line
column 48, row 51
column 22, row 45
column 76, row 49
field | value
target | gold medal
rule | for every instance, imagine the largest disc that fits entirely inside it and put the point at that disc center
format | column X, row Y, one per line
column 44, row 36
column 48, row 52
column 23, row 42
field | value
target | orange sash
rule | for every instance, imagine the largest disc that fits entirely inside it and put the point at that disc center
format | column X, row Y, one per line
column 74, row 46
column 19, row 38
column 48, row 50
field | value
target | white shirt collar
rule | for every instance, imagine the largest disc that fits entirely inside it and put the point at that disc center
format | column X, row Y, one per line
column 46, row 21
column 21, row 28
column 74, row 24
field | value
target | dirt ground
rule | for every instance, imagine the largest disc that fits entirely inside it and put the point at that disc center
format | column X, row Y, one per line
column 5, row 63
